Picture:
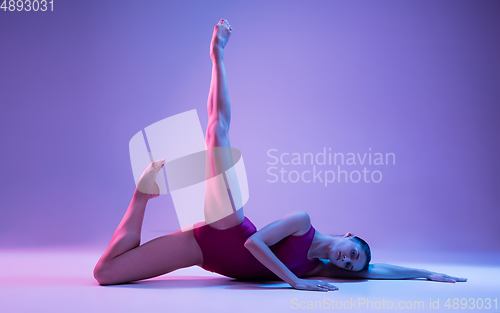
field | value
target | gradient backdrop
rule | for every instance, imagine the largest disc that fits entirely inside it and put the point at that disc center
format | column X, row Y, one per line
column 420, row 79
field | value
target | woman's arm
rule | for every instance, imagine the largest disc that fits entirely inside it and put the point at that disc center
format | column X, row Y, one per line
column 258, row 244
column 387, row 271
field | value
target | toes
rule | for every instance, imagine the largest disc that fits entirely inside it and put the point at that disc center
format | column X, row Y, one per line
column 225, row 23
column 160, row 161
column 159, row 164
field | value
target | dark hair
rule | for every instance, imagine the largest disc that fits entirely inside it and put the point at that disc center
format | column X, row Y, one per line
column 366, row 249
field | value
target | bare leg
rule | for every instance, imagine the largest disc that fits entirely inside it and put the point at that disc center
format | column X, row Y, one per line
column 217, row 134
column 218, row 106
column 125, row 260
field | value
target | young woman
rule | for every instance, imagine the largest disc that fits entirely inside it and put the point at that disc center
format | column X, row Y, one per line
column 288, row 249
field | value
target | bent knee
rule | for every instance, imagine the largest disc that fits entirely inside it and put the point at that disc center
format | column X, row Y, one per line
column 103, row 275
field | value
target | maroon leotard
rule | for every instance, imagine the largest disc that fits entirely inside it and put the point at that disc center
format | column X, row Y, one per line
column 224, row 252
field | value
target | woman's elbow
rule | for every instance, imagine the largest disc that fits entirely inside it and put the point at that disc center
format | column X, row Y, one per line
column 253, row 243
column 249, row 243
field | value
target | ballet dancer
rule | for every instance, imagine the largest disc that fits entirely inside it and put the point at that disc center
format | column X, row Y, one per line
column 289, row 249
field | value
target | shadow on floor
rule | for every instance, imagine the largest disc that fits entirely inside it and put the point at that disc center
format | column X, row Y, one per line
column 178, row 282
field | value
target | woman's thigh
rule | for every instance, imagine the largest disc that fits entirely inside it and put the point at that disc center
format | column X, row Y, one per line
column 220, row 211
column 156, row 257
column 229, row 221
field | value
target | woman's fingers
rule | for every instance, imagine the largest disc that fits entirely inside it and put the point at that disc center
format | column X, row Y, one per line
column 320, row 288
column 446, row 278
column 326, row 286
column 330, row 287
column 333, row 288
column 314, row 285
column 459, row 279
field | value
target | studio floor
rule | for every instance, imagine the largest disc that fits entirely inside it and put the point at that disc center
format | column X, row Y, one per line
column 61, row 281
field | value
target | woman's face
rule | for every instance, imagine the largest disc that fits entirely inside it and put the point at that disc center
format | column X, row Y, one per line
column 347, row 254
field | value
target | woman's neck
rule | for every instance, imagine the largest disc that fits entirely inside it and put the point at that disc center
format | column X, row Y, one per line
column 321, row 245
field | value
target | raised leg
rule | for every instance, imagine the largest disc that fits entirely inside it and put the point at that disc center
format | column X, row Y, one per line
column 218, row 106
column 126, row 260
column 219, row 156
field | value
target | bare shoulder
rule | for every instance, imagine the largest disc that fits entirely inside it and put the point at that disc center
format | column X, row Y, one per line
column 292, row 224
column 302, row 220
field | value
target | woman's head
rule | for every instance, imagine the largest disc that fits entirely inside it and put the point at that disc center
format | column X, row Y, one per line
column 350, row 252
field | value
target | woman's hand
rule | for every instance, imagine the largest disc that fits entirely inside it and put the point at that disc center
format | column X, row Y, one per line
column 317, row 285
column 443, row 277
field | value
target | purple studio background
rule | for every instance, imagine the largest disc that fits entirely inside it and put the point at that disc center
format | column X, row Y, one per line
column 419, row 79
